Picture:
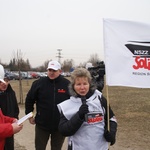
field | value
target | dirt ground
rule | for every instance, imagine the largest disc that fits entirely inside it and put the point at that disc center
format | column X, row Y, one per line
column 24, row 140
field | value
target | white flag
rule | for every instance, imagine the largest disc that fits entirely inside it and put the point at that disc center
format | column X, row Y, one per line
column 127, row 53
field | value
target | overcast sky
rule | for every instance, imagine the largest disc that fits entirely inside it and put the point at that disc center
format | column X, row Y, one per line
column 39, row 27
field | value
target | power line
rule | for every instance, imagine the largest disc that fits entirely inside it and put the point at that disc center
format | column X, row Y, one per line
column 59, row 55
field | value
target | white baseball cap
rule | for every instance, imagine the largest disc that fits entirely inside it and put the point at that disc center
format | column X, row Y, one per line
column 55, row 65
column 88, row 65
column 2, row 73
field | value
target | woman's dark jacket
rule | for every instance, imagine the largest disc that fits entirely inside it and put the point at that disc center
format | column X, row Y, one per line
column 46, row 94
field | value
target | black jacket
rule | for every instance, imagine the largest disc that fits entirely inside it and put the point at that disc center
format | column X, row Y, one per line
column 99, row 82
column 68, row 128
column 8, row 103
column 47, row 93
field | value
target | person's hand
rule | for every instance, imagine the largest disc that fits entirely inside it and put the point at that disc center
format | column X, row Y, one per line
column 83, row 110
column 16, row 127
column 32, row 120
column 110, row 137
column 15, row 120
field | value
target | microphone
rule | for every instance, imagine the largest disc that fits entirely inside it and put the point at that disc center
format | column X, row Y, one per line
column 83, row 99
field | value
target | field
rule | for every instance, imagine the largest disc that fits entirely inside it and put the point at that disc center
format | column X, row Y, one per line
column 132, row 109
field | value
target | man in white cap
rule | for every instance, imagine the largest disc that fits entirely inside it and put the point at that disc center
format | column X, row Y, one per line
column 8, row 114
column 46, row 93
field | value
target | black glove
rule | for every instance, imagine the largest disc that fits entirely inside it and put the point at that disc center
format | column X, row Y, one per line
column 110, row 137
column 83, row 110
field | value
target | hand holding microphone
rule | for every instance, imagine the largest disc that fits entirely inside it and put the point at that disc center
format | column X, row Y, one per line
column 83, row 99
column 83, row 109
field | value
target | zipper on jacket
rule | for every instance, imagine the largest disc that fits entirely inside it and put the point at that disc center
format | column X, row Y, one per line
column 54, row 101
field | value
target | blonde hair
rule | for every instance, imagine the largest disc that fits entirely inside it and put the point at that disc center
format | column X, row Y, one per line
column 80, row 72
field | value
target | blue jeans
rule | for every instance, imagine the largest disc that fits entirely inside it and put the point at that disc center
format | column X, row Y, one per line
column 42, row 137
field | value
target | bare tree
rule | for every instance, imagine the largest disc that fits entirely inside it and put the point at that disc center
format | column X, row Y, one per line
column 67, row 65
column 18, row 57
column 94, row 59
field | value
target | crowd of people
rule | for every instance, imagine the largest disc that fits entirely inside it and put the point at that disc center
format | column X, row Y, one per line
column 74, row 108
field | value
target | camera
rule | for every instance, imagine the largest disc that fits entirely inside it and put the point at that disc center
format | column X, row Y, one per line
column 97, row 71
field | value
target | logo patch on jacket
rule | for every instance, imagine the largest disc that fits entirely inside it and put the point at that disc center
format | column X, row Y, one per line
column 94, row 117
column 61, row 91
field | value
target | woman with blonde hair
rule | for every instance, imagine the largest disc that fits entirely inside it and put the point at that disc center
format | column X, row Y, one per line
column 84, row 116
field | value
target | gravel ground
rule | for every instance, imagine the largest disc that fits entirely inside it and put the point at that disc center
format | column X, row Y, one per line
column 19, row 147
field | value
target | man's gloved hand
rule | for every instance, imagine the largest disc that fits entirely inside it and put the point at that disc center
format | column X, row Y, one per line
column 110, row 137
column 83, row 110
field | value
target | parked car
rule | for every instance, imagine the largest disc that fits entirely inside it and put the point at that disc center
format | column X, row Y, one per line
column 9, row 75
column 41, row 74
column 34, row 75
column 12, row 75
column 16, row 76
column 26, row 75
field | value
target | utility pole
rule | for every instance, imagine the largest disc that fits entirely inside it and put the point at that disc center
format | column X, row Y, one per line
column 59, row 55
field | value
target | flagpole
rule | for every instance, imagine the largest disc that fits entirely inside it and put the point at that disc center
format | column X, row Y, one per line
column 108, row 124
